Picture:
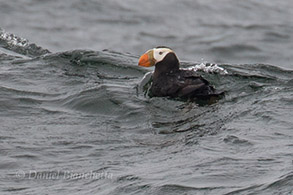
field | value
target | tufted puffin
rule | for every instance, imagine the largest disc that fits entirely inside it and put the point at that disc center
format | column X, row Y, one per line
column 169, row 80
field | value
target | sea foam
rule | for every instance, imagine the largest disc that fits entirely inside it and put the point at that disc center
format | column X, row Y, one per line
column 207, row 67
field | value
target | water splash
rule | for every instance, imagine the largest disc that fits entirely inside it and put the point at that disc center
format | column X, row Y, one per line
column 13, row 40
column 20, row 45
column 208, row 68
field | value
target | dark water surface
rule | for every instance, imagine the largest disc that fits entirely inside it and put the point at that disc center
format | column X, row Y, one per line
column 75, row 121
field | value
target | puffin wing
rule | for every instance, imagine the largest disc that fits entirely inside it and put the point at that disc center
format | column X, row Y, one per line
column 194, row 85
column 189, row 89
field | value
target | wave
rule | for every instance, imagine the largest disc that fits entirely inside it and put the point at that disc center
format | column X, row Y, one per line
column 106, row 83
column 279, row 186
column 100, row 94
column 20, row 45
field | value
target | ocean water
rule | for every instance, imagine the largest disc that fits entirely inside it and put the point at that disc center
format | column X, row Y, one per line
column 75, row 118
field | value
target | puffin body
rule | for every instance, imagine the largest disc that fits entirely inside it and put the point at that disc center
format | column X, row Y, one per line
column 170, row 80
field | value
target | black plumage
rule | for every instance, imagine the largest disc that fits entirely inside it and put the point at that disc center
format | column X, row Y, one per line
column 169, row 80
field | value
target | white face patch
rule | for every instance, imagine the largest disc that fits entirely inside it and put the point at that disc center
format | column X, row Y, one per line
column 160, row 53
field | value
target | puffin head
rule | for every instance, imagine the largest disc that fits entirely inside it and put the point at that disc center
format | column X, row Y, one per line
column 156, row 55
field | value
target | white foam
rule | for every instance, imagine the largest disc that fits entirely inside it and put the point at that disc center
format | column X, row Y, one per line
column 12, row 39
column 207, row 67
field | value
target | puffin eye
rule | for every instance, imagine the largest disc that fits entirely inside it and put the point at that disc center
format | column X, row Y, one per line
column 160, row 53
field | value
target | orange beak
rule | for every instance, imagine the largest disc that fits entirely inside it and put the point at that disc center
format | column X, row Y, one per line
column 147, row 59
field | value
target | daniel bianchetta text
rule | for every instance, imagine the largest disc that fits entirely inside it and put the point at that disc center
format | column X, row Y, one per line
column 67, row 175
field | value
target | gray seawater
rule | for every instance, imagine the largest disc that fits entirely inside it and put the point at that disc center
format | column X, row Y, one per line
column 74, row 120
